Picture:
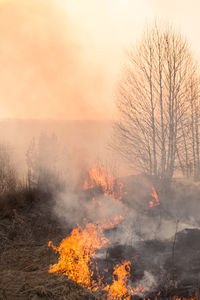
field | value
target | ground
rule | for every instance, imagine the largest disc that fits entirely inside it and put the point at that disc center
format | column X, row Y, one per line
column 26, row 226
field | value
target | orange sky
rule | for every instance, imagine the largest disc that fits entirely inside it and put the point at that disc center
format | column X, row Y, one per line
column 60, row 59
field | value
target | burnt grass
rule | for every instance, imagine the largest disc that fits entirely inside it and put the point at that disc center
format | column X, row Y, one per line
column 27, row 224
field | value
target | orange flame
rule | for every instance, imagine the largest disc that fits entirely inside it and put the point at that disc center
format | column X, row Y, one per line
column 118, row 289
column 100, row 177
column 76, row 252
column 155, row 199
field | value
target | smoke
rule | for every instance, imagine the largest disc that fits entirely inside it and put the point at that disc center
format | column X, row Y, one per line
column 61, row 59
column 146, row 235
column 148, row 283
column 177, row 210
column 67, row 67
column 73, row 208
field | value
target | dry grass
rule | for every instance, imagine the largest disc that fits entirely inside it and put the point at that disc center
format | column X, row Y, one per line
column 26, row 226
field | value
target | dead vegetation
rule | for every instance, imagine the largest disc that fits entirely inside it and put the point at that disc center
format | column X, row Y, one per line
column 26, row 226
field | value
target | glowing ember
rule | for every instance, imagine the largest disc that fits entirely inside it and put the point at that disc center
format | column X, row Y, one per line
column 100, row 177
column 155, row 200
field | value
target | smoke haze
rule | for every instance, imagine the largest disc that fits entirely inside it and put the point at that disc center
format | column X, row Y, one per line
column 61, row 59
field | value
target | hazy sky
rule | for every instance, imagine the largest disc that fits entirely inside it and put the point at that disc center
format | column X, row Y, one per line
column 60, row 59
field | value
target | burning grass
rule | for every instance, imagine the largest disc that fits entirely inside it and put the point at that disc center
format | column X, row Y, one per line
column 77, row 250
column 100, row 177
column 119, row 289
column 26, row 227
column 75, row 261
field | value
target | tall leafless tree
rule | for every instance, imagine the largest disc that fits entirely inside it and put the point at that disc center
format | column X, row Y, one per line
column 153, row 102
column 191, row 134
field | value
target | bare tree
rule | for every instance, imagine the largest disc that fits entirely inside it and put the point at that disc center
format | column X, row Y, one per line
column 152, row 100
column 193, row 94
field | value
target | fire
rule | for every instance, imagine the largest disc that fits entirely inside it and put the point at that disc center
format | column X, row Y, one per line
column 118, row 289
column 100, row 177
column 155, row 199
column 110, row 224
column 76, row 252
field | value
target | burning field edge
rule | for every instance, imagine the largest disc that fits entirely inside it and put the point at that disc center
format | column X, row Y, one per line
column 42, row 259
